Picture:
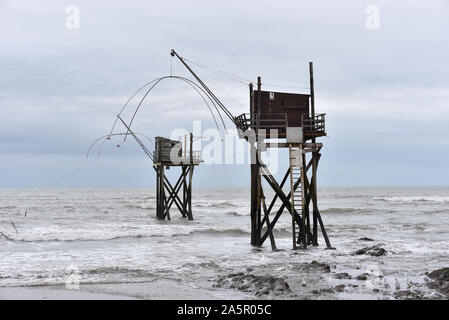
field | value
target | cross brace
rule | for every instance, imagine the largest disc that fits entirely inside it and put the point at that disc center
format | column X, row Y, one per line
column 311, row 232
column 167, row 194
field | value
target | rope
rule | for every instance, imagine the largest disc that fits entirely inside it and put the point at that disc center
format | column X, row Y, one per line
column 129, row 100
column 108, row 137
column 42, row 153
column 238, row 78
column 209, row 92
column 216, row 86
column 224, row 74
column 144, row 148
column 72, row 173
column 284, row 86
column 193, row 85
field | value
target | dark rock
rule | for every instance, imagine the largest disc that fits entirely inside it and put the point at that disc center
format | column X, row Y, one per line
column 336, row 289
column 363, row 276
column 339, row 288
column 317, row 265
column 343, row 275
column 375, row 251
column 324, row 290
column 434, row 285
column 441, row 281
column 445, row 290
column 259, row 285
column 408, row 295
column 440, row 274
column 366, row 239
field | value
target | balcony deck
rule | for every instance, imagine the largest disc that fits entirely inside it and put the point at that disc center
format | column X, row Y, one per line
column 313, row 127
column 179, row 160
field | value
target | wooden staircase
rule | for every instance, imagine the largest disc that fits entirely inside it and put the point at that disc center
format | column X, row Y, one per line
column 297, row 198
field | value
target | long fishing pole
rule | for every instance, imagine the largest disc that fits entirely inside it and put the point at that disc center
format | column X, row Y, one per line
column 225, row 110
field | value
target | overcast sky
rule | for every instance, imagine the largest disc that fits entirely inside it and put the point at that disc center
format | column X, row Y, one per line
column 385, row 90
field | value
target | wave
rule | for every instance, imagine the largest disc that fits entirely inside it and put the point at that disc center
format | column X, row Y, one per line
column 436, row 211
column 130, row 234
column 78, row 239
column 412, row 199
column 220, row 204
column 140, row 206
column 6, row 237
column 236, row 214
column 95, row 275
column 340, row 210
column 8, row 207
column 117, row 270
column 206, row 264
column 218, row 231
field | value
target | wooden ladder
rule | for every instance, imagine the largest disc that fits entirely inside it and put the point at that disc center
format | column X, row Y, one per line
column 297, row 195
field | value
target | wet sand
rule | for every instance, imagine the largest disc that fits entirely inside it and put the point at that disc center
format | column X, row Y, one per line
column 54, row 293
column 161, row 289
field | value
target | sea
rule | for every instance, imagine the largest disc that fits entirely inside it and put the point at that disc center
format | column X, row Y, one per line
column 109, row 241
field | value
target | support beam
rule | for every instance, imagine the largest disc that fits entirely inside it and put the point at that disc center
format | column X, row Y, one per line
column 168, row 194
column 308, row 227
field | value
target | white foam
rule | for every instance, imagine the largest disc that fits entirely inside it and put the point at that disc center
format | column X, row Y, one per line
column 436, row 199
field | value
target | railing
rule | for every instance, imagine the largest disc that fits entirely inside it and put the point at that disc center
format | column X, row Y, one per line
column 196, row 155
column 313, row 125
column 242, row 121
column 178, row 157
column 262, row 120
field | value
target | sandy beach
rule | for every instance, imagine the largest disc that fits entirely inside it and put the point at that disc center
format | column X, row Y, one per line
column 165, row 290
column 55, row 293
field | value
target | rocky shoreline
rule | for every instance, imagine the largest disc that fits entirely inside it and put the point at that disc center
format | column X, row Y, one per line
column 251, row 283
column 435, row 285
column 440, row 281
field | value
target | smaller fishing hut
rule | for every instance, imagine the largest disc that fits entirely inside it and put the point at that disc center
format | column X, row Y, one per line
column 167, row 154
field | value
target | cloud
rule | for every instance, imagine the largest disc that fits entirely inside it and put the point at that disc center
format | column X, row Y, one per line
column 384, row 91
